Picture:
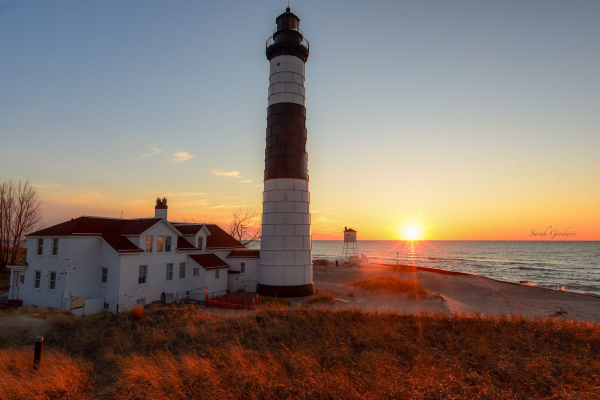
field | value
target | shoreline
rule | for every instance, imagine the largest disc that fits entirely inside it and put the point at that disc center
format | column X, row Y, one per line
column 450, row 272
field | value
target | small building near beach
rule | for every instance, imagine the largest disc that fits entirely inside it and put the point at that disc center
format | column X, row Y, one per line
column 119, row 263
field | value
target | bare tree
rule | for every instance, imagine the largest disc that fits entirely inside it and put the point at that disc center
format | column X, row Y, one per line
column 20, row 213
column 245, row 225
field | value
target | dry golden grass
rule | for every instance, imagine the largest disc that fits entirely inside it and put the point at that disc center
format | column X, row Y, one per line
column 59, row 376
column 321, row 262
column 275, row 353
column 325, row 297
column 391, row 284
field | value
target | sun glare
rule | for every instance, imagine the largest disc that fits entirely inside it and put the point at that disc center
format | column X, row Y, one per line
column 412, row 233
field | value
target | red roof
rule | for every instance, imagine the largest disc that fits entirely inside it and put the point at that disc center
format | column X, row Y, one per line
column 349, row 230
column 113, row 231
column 218, row 238
column 244, row 254
column 183, row 244
column 209, row 261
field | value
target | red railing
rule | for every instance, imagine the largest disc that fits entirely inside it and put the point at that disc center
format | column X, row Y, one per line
column 232, row 302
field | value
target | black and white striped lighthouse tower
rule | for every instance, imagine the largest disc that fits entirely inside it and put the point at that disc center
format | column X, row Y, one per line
column 285, row 268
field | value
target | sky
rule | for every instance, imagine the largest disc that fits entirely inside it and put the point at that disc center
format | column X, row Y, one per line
column 468, row 120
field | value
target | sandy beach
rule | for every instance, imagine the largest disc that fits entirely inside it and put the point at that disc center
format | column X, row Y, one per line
column 454, row 293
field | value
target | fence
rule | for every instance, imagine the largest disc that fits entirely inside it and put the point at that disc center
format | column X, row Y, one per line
column 90, row 307
column 232, row 302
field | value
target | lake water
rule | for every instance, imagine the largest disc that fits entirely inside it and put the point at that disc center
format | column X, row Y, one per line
column 573, row 266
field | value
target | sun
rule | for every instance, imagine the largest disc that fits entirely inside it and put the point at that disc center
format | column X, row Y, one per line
column 411, row 233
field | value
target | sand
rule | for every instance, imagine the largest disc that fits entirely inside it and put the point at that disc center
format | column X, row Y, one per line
column 455, row 294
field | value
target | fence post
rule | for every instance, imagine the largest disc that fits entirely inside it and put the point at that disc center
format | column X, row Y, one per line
column 207, row 296
column 37, row 354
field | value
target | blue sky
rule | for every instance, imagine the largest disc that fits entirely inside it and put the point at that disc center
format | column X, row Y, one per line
column 474, row 117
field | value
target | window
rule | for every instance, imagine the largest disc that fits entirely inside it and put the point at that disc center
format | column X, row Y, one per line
column 54, row 247
column 181, row 270
column 196, row 271
column 243, row 268
column 216, row 274
column 37, row 277
column 159, row 243
column 104, row 275
column 149, row 244
column 200, row 242
column 52, row 282
column 168, row 243
column 169, row 272
column 142, row 274
column 40, row 247
column 141, row 302
column 169, row 297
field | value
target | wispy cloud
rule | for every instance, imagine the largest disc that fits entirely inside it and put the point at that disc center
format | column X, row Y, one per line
column 248, row 181
column 45, row 185
column 155, row 151
column 259, row 185
column 220, row 172
column 182, row 156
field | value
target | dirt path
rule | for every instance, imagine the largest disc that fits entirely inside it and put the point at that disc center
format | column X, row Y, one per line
column 23, row 328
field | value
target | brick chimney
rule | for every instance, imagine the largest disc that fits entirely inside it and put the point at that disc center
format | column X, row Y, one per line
column 160, row 211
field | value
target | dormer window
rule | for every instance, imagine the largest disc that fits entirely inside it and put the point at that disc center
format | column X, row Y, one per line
column 159, row 243
column 40, row 247
column 148, row 244
column 200, row 242
column 167, row 243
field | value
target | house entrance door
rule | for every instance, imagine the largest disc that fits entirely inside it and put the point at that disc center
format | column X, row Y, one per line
column 19, row 285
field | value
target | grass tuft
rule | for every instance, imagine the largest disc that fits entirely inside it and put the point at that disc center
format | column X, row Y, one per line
column 391, row 284
column 275, row 301
column 321, row 262
column 321, row 298
column 402, row 268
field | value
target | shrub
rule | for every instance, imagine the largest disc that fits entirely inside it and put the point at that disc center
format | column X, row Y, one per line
column 137, row 312
column 391, row 284
column 59, row 376
column 321, row 262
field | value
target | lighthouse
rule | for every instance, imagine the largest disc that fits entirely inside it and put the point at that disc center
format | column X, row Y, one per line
column 285, row 267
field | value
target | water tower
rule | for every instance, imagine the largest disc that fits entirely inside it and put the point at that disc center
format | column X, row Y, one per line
column 350, row 252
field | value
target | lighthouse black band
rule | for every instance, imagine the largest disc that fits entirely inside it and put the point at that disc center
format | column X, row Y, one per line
column 285, row 156
column 286, row 291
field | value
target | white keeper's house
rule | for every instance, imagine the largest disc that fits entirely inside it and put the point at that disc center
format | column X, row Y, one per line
column 131, row 261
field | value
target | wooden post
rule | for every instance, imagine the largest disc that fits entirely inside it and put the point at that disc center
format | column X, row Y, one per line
column 37, row 354
column 207, row 296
